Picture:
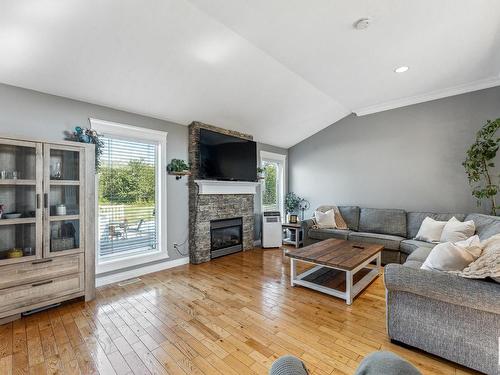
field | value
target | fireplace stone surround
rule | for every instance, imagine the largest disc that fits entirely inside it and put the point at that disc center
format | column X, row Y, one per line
column 204, row 208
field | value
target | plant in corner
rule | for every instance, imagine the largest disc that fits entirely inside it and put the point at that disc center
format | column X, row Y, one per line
column 479, row 164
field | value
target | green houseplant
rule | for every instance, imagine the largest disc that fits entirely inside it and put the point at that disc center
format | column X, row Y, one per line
column 178, row 168
column 292, row 202
column 479, row 164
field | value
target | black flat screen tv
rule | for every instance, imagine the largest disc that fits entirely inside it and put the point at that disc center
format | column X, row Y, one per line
column 223, row 157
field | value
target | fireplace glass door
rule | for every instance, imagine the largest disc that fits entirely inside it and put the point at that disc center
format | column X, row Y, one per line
column 226, row 237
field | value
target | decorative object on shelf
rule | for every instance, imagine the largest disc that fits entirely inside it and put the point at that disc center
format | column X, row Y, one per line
column 88, row 135
column 56, row 171
column 60, row 210
column 261, row 173
column 28, row 251
column 3, row 175
column 178, row 168
column 479, row 164
column 303, row 206
column 12, row 215
column 292, row 202
column 15, row 253
column 2, row 210
column 15, row 175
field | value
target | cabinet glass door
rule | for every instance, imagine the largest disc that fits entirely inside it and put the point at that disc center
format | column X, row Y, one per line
column 20, row 201
column 63, row 200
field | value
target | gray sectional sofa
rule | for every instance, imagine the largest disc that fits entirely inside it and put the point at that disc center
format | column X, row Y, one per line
column 393, row 228
column 443, row 314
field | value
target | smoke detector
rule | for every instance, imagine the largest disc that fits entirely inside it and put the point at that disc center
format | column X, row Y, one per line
column 362, row 23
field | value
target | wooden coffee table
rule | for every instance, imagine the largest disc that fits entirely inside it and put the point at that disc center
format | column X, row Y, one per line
column 342, row 268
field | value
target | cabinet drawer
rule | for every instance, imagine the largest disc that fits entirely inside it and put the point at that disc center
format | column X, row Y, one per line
column 30, row 294
column 41, row 269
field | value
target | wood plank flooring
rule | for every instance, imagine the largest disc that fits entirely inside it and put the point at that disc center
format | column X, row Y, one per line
column 234, row 315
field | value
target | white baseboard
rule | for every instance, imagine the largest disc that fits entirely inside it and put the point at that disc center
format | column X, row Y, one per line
column 125, row 275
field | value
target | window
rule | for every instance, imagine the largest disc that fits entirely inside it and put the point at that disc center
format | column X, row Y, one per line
column 273, row 185
column 130, row 191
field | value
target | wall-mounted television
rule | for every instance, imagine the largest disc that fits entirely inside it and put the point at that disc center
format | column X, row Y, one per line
column 224, row 157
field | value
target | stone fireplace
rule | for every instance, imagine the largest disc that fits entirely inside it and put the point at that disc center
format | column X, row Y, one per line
column 212, row 204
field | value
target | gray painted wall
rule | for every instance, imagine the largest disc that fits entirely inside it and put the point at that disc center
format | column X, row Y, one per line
column 26, row 113
column 406, row 158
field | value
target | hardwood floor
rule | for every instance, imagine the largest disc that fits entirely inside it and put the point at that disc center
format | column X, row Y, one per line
column 234, row 315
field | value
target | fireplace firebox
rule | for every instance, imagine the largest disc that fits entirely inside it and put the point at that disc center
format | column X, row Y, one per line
column 226, row 236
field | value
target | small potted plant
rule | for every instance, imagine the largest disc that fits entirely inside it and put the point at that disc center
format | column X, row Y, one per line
column 178, row 168
column 84, row 135
column 292, row 202
column 261, row 173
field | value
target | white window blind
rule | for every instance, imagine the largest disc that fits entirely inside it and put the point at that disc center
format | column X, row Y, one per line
column 127, row 198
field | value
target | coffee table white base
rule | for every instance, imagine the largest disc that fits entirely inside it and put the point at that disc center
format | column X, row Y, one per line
column 352, row 290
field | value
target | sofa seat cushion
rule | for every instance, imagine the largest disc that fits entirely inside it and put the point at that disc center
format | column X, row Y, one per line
column 419, row 255
column 486, row 225
column 389, row 242
column 324, row 234
column 409, row 246
column 385, row 221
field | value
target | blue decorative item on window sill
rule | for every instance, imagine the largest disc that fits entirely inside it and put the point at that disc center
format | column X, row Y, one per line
column 89, row 135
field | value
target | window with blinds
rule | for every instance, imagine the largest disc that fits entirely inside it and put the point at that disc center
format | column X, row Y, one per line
column 127, row 198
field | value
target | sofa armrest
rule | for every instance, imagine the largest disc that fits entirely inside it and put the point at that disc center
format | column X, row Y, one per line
column 476, row 294
column 306, row 225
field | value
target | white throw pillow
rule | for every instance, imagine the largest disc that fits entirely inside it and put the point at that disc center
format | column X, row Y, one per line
column 325, row 220
column 456, row 230
column 430, row 230
column 451, row 256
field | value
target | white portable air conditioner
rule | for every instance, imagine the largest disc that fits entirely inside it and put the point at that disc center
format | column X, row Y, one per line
column 271, row 229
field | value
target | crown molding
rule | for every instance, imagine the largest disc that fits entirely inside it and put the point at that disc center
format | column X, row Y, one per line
column 433, row 95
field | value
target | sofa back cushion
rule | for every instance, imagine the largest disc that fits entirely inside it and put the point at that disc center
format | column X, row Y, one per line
column 351, row 216
column 486, row 225
column 414, row 220
column 386, row 221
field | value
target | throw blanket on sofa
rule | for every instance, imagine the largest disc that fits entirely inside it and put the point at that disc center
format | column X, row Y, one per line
column 488, row 264
column 339, row 220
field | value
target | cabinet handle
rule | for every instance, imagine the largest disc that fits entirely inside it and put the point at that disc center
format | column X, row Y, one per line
column 41, row 261
column 42, row 283
column 37, row 201
column 46, row 200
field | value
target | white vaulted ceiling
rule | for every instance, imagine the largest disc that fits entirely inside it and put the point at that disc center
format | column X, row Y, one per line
column 278, row 69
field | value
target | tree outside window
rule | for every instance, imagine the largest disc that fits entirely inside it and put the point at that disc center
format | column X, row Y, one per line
column 270, row 194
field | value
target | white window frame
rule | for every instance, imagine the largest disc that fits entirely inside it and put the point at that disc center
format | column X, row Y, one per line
column 281, row 159
column 135, row 133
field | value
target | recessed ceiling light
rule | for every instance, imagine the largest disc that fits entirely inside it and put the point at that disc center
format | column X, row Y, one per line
column 401, row 69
